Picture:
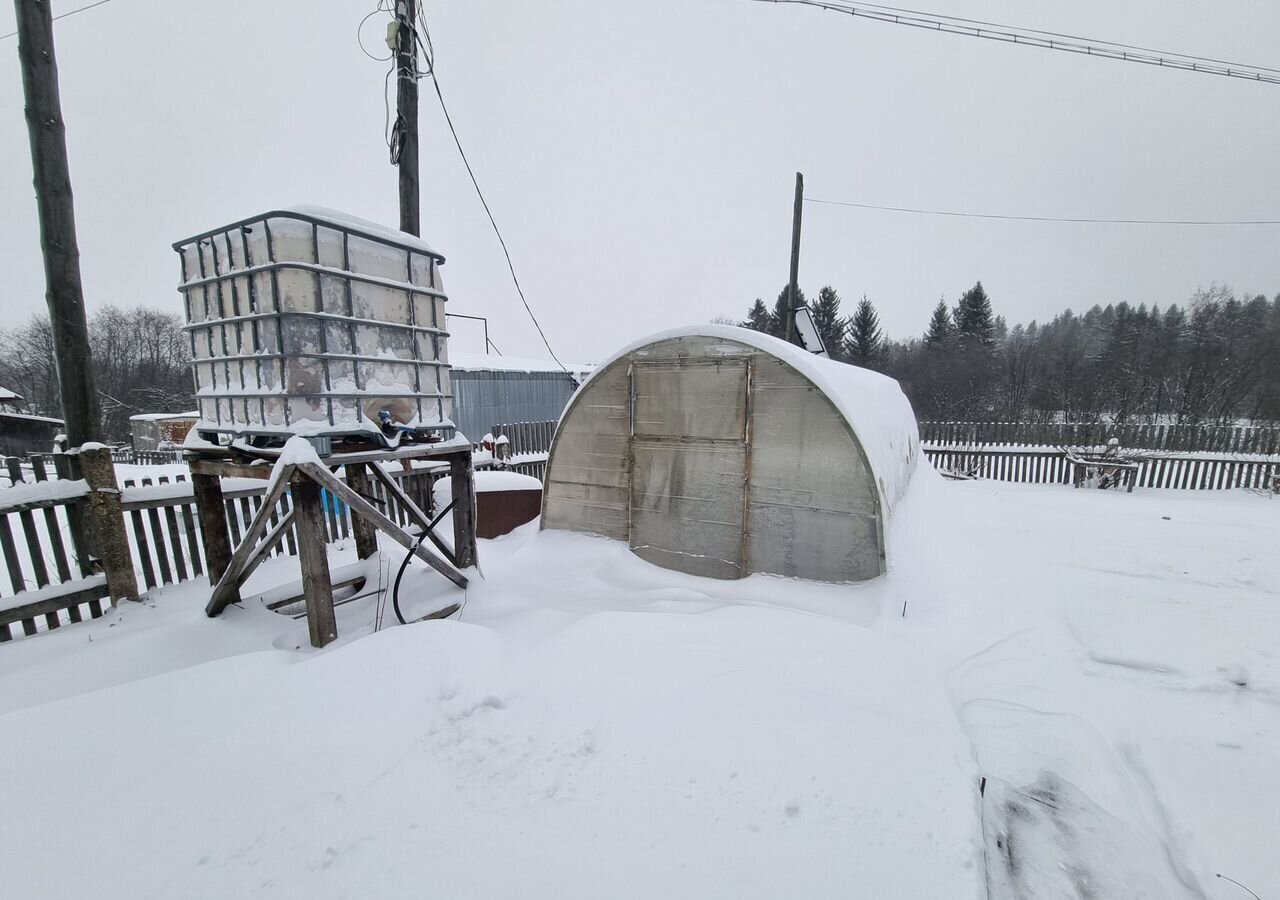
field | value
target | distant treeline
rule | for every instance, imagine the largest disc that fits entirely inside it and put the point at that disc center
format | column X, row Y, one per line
column 141, row 363
column 1214, row 360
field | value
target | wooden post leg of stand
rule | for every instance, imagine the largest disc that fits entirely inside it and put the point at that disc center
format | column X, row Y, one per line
column 463, row 482
column 213, row 525
column 317, row 585
column 365, row 534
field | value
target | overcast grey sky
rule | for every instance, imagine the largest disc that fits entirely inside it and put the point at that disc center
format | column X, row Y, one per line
column 640, row 156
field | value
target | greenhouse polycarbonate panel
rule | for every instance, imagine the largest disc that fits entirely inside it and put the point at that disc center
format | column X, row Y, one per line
column 687, row 505
column 690, row 400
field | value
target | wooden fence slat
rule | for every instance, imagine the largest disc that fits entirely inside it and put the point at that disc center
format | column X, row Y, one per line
column 52, row 527
column 11, row 556
column 233, row 520
column 157, row 542
column 28, row 521
column 141, row 541
column 193, row 540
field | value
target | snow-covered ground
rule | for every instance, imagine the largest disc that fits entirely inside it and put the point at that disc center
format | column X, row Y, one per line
column 593, row 726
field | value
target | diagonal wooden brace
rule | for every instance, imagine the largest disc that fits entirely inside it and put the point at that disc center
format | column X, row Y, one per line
column 363, row 507
column 226, row 589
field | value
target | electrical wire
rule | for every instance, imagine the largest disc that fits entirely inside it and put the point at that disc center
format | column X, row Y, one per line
column 435, row 82
column 381, row 8
column 1043, row 40
column 62, row 16
column 1054, row 34
column 393, row 133
column 1063, row 219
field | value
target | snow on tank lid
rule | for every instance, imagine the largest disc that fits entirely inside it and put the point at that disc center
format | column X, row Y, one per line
column 346, row 220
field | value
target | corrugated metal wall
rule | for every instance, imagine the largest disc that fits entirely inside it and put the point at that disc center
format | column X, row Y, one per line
column 483, row 398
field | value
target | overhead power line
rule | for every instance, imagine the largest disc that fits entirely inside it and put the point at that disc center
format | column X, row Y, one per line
column 428, row 51
column 61, row 16
column 1064, row 219
column 1057, row 34
column 1045, row 40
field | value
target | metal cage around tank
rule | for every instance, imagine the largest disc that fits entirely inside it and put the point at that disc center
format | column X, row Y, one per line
column 307, row 321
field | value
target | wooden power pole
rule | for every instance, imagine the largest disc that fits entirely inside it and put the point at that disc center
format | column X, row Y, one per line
column 406, row 113
column 792, row 289
column 63, row 290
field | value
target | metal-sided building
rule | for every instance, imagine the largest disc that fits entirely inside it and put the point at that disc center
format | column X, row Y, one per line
column 719, row 451
column 489, row 390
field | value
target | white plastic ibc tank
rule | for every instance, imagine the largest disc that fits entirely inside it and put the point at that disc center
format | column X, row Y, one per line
column 308, row 321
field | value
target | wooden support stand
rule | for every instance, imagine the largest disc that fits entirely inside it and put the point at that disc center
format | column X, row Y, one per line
column 229, row 569
column 366, row 536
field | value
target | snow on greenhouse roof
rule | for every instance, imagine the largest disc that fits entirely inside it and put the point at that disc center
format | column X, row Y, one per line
column 873, row 404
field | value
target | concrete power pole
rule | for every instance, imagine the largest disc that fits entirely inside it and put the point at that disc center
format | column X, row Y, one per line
column 407, row 114
column 795, row 259
column 63, row 290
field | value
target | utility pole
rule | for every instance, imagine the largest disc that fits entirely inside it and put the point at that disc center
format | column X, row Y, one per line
column 406, row 113
column 63, row 290
column 792, row 289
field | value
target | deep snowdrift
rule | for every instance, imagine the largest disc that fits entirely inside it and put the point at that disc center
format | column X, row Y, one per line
column 598, row 727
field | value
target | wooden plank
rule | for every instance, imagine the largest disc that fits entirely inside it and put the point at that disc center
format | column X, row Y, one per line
column 175, row 542
column 77, row 592
column 52, row 527
column 227, row 589
column 162, row 552
column 143, row 543
column 11, row 560
column 247, row 510
column 366, row 536
column 269, row 543
column 193, row 540
column 227, row 469
column 317, row 584
column 412, row 511
column 285, row 506
column 363, row 507
column 462, row 479
column 35, row 551
column 214, row 535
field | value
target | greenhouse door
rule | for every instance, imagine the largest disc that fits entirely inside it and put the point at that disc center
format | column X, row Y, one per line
column 689, row 464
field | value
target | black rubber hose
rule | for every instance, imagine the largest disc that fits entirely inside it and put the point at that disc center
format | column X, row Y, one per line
column 404, row 564
column 395, row 589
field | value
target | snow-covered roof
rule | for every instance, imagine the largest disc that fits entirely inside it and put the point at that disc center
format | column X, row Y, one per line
column 346, row 220
column 7, row 395
column 479, row 362
column 160, row 417
column 29, row 417
column 873, row 404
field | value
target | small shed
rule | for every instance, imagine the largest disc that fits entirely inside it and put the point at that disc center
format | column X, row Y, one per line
column 11, row 402
column 155, row 431
column 724, row 452
column 21, row 434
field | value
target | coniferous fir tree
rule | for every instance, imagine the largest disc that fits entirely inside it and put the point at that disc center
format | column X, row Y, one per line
column 866, row 340
column 826, row 318
column 758, row 318
column 782, row 309
column 974, row 318
column 941, row 328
